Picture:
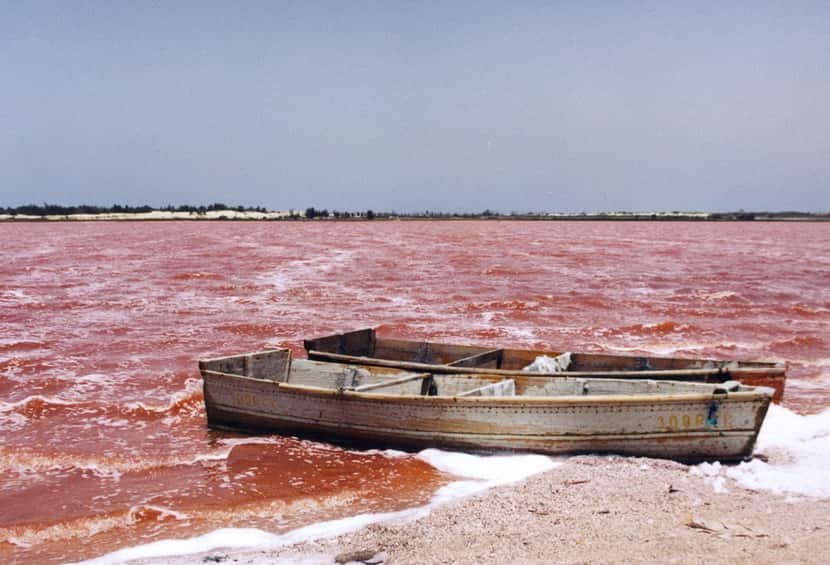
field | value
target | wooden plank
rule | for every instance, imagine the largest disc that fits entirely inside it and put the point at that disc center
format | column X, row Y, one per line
column 274, row 365
column 386, row 350
column 422, row 351
column 359, row 342
column 329, row 343
column 501, row 388
column 484, row 359
column 333, row 376
column 454, row 384
column 389, row 383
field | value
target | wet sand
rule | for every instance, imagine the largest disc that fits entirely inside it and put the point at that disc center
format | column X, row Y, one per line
column 591, row 509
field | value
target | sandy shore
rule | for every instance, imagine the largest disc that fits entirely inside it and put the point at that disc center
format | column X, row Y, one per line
column 589, row 510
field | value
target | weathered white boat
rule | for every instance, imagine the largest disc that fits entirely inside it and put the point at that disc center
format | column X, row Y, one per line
column 267, row 392
column 365, row 347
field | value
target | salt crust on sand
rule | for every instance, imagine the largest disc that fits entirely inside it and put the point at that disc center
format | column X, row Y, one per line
column 797, row 450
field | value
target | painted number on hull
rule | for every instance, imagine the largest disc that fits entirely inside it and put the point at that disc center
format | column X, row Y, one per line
column 246, row 400
column 688, row 421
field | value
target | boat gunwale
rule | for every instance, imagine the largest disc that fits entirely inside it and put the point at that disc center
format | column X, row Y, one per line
column 276, row 350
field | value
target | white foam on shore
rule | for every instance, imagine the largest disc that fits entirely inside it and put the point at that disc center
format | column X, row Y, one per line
column 226, row 538
column 482, row 473
column 479, row 472
column 801, row 442
column 492, row 469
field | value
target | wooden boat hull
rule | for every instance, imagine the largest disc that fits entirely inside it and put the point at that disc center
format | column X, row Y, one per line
column 687, row 427
column 364, row 347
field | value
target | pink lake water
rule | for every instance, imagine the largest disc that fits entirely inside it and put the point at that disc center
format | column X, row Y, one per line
column 103, row 442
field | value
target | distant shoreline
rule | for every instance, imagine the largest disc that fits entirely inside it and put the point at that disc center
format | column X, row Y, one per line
column 235, row 215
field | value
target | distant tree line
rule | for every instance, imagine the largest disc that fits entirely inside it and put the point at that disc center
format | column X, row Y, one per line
column 46, row 209
column 312, row 213
column 741, row 215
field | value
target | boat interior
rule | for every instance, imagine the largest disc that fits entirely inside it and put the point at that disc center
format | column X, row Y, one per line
column 366, row 343
column 277, row 365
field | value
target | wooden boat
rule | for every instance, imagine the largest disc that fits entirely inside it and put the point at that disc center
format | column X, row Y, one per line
column 267, row 392
column 365, row 347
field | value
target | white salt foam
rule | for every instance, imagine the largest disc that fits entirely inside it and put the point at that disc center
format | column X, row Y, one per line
column 803, row 442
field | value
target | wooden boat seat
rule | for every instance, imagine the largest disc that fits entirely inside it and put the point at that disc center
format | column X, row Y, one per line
column 506, row 387
column 392, row 382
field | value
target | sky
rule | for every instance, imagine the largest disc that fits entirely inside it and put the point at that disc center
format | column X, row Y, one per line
column 409, row 106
